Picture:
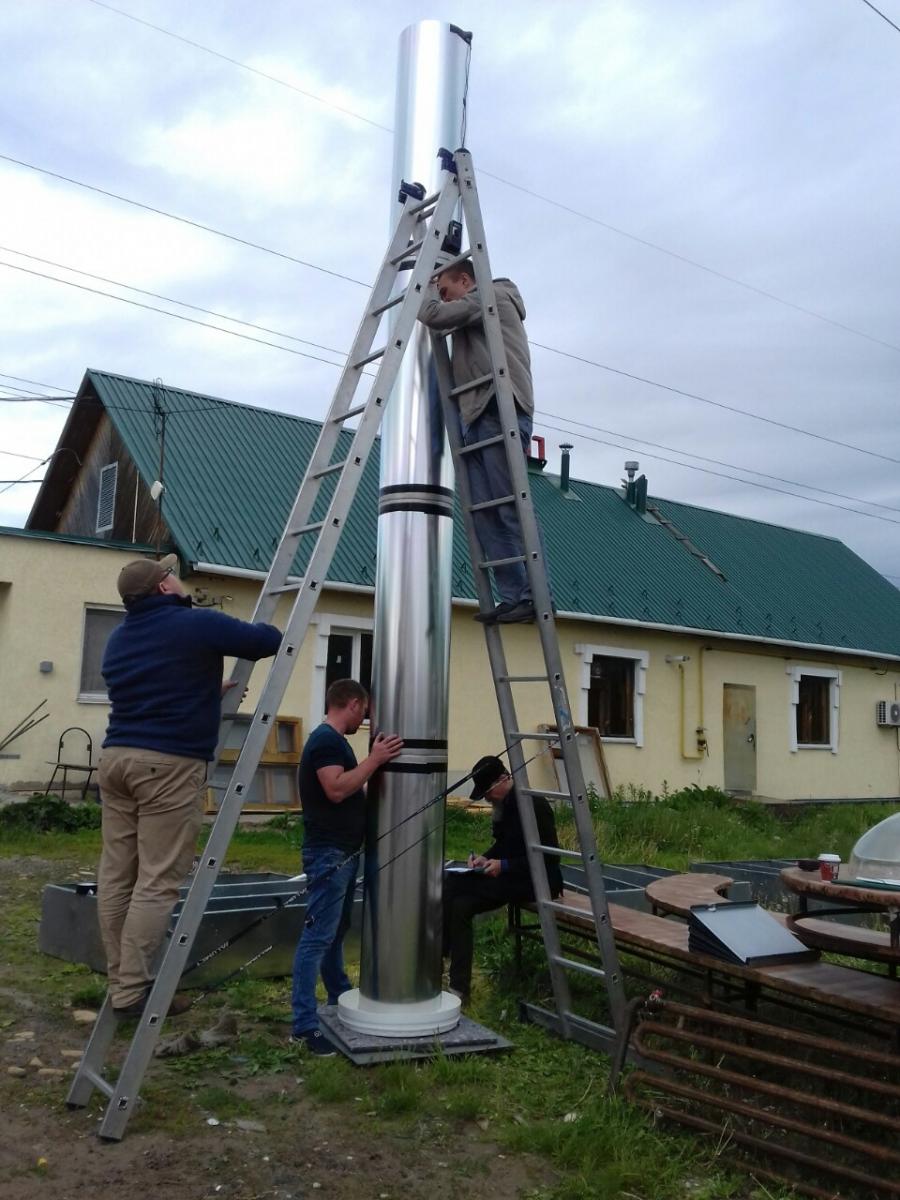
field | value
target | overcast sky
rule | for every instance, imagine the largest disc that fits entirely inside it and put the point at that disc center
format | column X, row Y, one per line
column 756, row 138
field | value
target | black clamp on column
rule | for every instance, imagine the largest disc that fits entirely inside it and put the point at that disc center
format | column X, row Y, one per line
column 414, row 190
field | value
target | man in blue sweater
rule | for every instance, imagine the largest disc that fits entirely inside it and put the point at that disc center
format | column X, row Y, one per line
column 163, row 669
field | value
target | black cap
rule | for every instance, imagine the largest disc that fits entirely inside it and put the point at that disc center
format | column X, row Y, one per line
column 485, row 774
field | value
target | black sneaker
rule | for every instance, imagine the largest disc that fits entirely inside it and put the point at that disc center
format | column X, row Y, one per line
column 518, row 613
column 315, row 1042
column 494, row 615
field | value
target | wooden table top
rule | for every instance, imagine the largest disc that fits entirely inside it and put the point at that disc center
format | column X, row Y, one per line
column 810, row 883
column 678, row 893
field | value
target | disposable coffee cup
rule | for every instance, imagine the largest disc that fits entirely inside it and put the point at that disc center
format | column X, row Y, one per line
column 828, row 866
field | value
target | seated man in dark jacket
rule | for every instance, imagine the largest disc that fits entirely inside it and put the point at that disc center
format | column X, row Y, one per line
column 500, row 875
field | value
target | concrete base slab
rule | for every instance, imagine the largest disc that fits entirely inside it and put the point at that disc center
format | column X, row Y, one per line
column 365, row 1049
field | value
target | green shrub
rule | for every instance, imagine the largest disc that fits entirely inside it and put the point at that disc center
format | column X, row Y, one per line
column 48, row 814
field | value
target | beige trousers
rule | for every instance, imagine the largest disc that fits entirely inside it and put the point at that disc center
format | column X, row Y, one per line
column 152, row 811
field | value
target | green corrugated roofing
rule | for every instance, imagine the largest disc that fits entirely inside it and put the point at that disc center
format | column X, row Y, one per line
column 232, row 472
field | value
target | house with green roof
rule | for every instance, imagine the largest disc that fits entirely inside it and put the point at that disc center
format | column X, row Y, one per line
column 705, row 648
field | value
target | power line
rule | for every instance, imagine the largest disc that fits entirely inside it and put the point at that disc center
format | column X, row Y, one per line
column 54, row 387
column 15, row 454
column 166, row 313
column 333, row 350
column 882, row 15
column 721, row 474
column 641, row 241
column 161, row 212
column 13, row 482
column 24, row 478
column 715, row 403
column 716, row 461
column 49, row 262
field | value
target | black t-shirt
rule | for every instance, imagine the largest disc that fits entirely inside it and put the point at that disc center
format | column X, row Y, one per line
column 325, row 823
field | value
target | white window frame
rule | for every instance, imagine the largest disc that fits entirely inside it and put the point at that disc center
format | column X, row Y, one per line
column 327, row 624
column 834, row 706
column 114, row 468
column 92, row 697
column 641, row 660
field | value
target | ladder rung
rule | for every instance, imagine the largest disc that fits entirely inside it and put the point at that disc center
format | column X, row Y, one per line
column 307, row 529
column 351, row 412
column 382, row 308
column 466, row 254
column 559, row 850
column 546, row 795
column 412, row 248
column 502, row 562
column 492, row 503
column 579, row 966
column 534, row 737
column 369, row 358
column 522, row 678
column 329, row 470
column 98, row 1081
column 426, row 203
column 491, row 441
column 285, row 587
column 569, row 909
column 474, row 383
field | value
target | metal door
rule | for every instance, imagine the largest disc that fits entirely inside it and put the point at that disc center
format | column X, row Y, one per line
column 739, row 740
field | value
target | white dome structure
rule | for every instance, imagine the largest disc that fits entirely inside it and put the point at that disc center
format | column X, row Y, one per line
column 877, row 853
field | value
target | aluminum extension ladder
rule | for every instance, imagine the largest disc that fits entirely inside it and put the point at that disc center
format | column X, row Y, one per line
column 564, row 1021
column 317, row 520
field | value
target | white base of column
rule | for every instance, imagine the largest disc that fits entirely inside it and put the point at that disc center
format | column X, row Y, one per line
column 421, row 1019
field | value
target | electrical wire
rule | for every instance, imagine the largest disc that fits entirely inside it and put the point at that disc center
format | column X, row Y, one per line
column 722, row 475
column 16, row 454
column 161, row 212
column 24, row 479
column 682, row 258
column 716, row 461
column 54, row 387
column 882, row 15
column 715, row 403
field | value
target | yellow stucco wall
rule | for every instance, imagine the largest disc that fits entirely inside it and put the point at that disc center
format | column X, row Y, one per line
column 45, row 586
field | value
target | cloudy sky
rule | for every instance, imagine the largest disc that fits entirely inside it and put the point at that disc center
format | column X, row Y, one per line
column 724, row 175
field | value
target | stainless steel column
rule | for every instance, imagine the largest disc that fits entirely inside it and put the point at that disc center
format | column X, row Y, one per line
column 400, row 982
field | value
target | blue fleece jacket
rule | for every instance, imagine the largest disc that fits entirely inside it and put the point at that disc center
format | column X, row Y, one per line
column 163, row 670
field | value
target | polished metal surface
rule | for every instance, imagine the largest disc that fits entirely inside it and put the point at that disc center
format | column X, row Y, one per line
column 401, row 953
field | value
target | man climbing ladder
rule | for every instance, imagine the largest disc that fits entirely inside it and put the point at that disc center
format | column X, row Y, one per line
column 453, row 305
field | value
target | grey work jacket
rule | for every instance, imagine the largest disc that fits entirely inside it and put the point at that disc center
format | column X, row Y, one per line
column 470, row 356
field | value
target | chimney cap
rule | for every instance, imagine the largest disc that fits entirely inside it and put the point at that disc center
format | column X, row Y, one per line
column 632, row 466
column 566, row 446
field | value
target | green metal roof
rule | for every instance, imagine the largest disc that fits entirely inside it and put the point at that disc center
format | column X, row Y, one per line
column 232, row 472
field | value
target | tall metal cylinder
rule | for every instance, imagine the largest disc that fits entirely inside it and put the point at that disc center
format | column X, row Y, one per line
column 401, row 951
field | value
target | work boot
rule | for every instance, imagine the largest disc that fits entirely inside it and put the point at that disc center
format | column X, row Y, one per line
column 517, row 613
column 493, row 615
column 179, row 1005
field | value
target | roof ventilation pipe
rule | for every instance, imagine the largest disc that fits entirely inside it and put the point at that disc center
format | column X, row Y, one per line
column 565, row 447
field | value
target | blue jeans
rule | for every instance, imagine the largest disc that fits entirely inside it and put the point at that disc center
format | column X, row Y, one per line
column 329, row 903
column 498, row 529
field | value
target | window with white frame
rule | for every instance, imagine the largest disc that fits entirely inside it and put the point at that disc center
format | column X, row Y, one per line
column 343, row 650
column 815, row 707
column 98, row 625
column 613, row 683
column 106, row 498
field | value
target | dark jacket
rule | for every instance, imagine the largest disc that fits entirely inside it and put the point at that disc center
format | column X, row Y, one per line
column 509, row 842
column 163, row 671
column 471, row 359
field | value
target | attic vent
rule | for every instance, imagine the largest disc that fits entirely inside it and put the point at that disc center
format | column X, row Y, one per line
column 106, row 501
column 686, row 542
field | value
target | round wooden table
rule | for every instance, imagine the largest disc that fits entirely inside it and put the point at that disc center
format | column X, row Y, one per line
column 842, row 898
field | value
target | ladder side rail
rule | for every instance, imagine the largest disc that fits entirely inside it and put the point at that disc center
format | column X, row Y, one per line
column 331, row 430
column 538, row 579
column 179, row 947
column 94, row 1055
column 503, row 689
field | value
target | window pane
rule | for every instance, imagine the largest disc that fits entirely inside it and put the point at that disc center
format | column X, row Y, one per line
column 814, row 711
column 365, row 660
column 98, row 625
column 611, row 696
column 340, row 658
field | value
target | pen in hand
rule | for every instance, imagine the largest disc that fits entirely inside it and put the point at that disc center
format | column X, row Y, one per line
column 471, row 862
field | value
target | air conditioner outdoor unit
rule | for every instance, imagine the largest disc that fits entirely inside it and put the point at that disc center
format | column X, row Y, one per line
column 887, row 712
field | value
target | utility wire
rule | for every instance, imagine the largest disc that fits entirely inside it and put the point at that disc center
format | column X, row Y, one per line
column 682, row 258
column 722, row 475
column 882, row 15
column 16, row 454
column 161, row 212
column 716, row 461
column 715, row 403
column 18, row 379
column 24, row 479
column 332, row 350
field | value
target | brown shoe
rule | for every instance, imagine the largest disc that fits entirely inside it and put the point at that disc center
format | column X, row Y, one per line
column 179, row 1005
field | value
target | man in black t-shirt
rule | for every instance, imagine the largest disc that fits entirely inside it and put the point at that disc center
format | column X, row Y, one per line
column 499, row 875
column 332, row 792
